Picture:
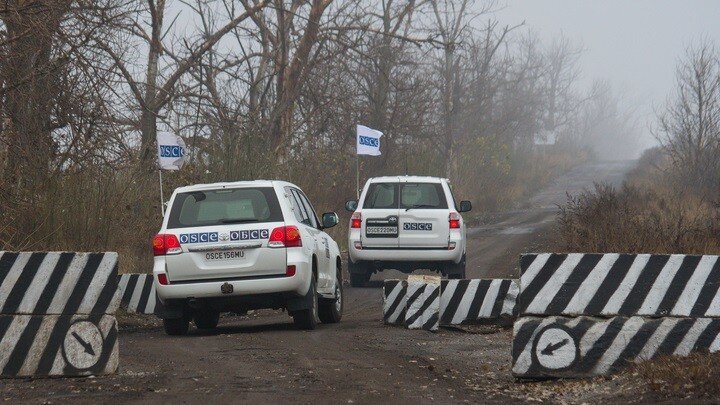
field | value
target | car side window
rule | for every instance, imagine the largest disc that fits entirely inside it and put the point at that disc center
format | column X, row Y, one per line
column 297, row 208
column 306, row 215
column 309, row 208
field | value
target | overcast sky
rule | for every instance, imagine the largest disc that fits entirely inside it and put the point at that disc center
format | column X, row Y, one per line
column 635, row 44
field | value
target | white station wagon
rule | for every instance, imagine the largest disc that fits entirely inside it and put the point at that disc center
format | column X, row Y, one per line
column 233, row 247
column 406, row 223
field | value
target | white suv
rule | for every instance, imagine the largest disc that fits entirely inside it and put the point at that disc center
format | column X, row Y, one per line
column 242, row 246
column 406, row 223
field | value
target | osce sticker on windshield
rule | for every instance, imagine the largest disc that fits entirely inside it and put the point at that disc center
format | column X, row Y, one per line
column 211, row 237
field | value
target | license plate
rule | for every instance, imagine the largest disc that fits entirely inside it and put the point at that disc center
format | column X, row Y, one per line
column 229, row 255
column 381, row 230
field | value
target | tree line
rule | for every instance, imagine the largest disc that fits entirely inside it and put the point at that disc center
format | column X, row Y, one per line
column 273, row 89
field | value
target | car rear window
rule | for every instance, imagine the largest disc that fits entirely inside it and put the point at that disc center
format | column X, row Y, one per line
column 224, row 207
column 422, row 195
column 381, row 195
column 405, row 195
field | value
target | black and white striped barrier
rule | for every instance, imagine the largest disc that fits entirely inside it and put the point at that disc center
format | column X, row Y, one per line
column 57, row 314
column 589, row 314
column 137, row 293
column 584, row 346
column 394, row 302
column 423, row 304
column 477, row 301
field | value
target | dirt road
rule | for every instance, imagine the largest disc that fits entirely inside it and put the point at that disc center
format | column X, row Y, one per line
column 494, row 247
column 263, row 358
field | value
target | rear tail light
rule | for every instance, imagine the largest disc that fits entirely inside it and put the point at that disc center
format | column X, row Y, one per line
column 285, row 236
column 162, row 279
column 290, row 271
column 356, row 220
column 166, row 244
column 454, row 220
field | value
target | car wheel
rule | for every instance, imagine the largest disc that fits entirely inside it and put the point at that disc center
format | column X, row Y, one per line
column 359, row 274
column 331, row 310
column 457, row 271
column 359, row 279
column 206, row 319
column 308, row 318
column 176, row 326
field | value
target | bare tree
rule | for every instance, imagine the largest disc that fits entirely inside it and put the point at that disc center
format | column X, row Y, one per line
column 157, row 89
column 689, row 127
column 29, row 69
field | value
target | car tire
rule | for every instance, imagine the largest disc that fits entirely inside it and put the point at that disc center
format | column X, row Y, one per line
column 359, row 279
column 206, row 319
column 359, row 274
column 331, row 310
column 307, row 319
column 456, row 271
column 176, row 326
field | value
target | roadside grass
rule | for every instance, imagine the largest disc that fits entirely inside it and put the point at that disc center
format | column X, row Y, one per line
column 694, row 377
column 635, row 219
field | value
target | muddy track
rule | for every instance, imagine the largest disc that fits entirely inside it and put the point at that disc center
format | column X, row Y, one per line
column 262, row 358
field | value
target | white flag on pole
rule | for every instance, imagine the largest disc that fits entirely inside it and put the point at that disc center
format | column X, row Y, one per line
column 368, row 141
column 171, row 151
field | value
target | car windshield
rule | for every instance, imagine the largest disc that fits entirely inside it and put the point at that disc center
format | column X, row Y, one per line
column 411, row 195
column 225, row 206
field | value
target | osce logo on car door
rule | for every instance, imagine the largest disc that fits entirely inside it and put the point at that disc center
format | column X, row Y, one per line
column 417, row 226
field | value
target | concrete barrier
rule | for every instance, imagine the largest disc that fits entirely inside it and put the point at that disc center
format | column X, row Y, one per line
column 57, row 314
column 426, row 302
column 591, row 314
column 586, row 346
column 394, row 302
column 137, row 293
column 423, row 303
column 619, row 284
column 477, row 301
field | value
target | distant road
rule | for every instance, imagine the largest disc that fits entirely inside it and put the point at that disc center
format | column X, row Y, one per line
column 494, row 248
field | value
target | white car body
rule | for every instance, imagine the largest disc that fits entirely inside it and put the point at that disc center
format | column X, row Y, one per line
column 234, row 265
column 419, row 235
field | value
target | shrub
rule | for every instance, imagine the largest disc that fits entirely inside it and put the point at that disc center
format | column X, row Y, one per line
column 639, row 220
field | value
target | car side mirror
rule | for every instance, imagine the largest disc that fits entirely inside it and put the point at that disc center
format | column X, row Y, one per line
column 351, row 205
column 465, row 206
column 329, row 219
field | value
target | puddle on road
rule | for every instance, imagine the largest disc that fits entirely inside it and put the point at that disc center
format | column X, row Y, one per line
column 517, row 230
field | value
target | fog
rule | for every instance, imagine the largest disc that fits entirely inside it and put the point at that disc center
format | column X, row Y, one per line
column 634, row 45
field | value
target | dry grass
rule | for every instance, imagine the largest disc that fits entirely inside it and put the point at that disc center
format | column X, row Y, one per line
column 671, row 377
column 639, row 220
column 655, row 211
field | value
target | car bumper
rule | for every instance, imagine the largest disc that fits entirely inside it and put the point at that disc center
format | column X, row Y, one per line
column 404, row 255
column 210, row 288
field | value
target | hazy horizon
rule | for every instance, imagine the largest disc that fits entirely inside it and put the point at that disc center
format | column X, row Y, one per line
column 634, row 45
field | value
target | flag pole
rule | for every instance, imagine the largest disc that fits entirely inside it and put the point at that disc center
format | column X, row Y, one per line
column 162, row 198
column 357, row 175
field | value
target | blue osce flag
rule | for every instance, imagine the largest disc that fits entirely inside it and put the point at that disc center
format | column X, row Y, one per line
column 368, row 141
column 172, row 153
